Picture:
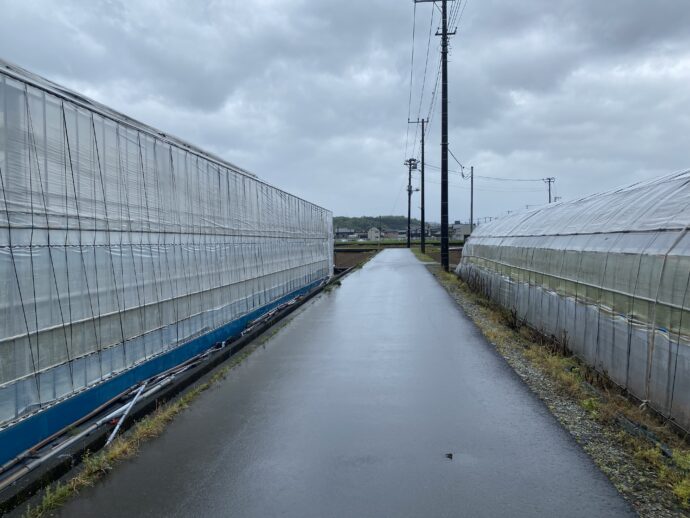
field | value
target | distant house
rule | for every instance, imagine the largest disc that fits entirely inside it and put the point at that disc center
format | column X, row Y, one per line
column 435, row 230
column 374, row 234
column 344, row 233
column 461, row 231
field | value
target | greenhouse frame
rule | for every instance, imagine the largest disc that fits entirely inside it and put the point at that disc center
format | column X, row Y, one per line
column 607, row 276
column 124, row 252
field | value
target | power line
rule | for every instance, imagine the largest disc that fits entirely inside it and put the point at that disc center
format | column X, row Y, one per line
column 484, row 189
column 434, row 95
column 456, row 16
column 409, row 102
column 426, row 68
column 462, row 12
column 453, row 13
column 426, row 64
column 496, row 178
column 456, row 159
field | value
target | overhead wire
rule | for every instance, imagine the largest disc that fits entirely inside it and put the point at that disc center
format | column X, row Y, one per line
column 484, row 177
column 455, row 9
column 409, row 102
column 426, row 69
column 455, row 16
column 483, row 189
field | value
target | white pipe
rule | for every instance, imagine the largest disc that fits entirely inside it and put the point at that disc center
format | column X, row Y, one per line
column 122, row 419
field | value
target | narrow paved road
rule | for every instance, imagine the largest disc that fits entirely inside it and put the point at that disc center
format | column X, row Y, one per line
column 351, row 409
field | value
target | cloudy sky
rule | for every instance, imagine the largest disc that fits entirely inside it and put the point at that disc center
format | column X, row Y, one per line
column 313, row 96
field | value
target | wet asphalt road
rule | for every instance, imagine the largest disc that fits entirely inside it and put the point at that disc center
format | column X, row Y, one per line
column 350, row 410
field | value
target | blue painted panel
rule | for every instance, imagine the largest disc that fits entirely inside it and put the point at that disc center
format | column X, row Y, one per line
column 26, row 433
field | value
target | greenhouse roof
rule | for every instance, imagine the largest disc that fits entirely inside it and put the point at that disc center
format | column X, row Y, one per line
column 42, row 83
column 659, row 204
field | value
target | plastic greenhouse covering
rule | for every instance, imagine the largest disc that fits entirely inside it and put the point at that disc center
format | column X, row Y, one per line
column 608, row 275
column 118, row 243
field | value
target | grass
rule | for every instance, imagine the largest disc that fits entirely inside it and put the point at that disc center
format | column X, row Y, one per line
column 97, row 465
column 603, row 401
column 332, row 286
column 422, row 257
column 682, row 492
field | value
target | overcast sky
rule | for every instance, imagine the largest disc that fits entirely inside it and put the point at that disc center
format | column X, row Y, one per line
column 313, row 96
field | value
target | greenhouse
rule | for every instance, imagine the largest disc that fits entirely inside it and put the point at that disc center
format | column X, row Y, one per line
column 124, row 251
column 606, row 275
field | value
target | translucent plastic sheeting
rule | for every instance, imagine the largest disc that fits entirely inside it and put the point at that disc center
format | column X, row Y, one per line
column 608, row 275
column 118, row 243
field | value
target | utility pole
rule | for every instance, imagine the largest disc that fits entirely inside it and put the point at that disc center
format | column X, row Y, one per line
column 423, row 229
column 444, row 136
column 380, row 232
column 411, row 164
column 549, row 181
column 471, row 199
column 444, row 129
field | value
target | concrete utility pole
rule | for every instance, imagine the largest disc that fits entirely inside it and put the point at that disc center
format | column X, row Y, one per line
column 411, row 164
column 471, row 199
column 423, row 229
column 444, row 137
column 423, row 236
column 444, row 129
column 549, row 181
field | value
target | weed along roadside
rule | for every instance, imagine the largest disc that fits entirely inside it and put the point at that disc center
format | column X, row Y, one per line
column 644, row 457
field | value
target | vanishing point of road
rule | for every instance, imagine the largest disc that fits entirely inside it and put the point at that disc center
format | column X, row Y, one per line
column 351, row 410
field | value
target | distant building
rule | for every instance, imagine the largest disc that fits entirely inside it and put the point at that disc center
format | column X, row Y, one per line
column 374, row 234
column 435, row 230
column 460, row 231
column 343, row 232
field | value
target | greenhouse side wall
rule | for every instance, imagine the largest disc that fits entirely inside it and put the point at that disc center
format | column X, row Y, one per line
column 123, row 252
column 617, row 299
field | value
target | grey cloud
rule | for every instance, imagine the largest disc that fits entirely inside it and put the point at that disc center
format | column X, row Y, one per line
column 313, row 96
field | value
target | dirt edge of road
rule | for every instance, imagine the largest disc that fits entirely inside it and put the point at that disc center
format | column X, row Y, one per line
column 644, row 457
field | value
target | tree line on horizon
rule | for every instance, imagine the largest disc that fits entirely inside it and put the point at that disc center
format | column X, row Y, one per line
column 364, row 223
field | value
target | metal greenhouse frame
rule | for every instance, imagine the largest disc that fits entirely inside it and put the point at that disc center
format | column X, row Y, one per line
column 608, row 275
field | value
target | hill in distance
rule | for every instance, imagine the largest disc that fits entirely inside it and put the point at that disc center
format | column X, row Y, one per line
column 364, row 223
